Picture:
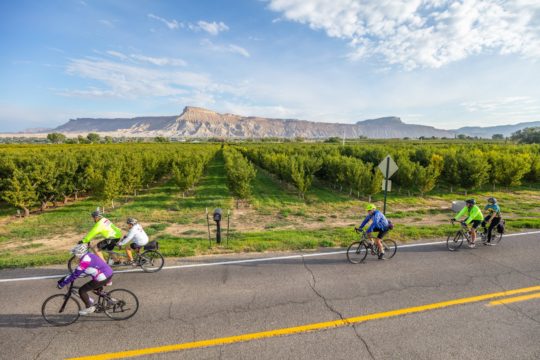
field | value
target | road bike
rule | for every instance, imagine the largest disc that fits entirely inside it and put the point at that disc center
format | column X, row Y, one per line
column 149, row 260
column 63, row 309
column 358, row 250
column 455, row 240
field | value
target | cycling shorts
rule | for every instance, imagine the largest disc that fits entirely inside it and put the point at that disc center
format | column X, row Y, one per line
column 107, row 244
column 380, row 233
column 476, row 223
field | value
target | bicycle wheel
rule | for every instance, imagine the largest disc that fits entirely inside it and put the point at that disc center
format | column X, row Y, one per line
column 357, row 252
column 59, row 311
column 73, row 262
column 390, row 248
column 151, row 261
column 120, row 304
column 454, row 241
column 496, row 237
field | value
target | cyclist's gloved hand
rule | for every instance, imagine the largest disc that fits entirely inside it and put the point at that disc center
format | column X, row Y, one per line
column 463, row 223
column 80, row 242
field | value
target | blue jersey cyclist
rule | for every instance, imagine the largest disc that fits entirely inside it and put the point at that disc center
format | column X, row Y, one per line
column 93, row 265
column 379, row 224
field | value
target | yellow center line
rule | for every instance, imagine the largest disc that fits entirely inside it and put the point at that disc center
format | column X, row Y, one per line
column 514, row 299
column 303, row 328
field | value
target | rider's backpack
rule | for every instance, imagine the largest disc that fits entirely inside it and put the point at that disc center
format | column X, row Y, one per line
column 390, row 225
column 500, row 227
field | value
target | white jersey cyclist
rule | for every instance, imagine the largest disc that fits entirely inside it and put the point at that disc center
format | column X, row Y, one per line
column 137, row 235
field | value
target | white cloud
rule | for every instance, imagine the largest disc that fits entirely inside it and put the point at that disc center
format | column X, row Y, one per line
column 422, row 33
column 212, row 28
column 171, row 24
column 516, row 107
column 131, row 81
column 160, row 61
column 229, row 48
column 117, row 54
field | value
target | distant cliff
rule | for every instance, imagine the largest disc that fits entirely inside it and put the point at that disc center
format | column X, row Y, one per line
column 198, row 122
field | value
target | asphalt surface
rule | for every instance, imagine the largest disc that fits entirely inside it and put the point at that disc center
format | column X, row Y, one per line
column 185, row 305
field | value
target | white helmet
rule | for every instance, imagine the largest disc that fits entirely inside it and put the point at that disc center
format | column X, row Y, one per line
column 80, row 250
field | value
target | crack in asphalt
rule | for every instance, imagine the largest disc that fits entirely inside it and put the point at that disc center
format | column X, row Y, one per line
column 329, row 307
column 47, row 346
column 364, row 341
column 519, row 311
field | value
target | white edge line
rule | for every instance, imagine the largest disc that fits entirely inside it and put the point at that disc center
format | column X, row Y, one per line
column 232, row 262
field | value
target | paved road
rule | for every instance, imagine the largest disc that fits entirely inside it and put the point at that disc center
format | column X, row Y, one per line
column 188, row 305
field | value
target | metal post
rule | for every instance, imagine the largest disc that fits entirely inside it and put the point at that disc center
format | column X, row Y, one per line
column 208, row 223
column 386, row 182
column 228, row 225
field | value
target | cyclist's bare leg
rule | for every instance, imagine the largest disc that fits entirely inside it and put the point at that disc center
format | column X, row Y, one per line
column 128, row 253
column 379, row 245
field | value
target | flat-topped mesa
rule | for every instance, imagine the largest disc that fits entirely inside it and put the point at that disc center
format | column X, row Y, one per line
column 389, row 120
column 192, row 113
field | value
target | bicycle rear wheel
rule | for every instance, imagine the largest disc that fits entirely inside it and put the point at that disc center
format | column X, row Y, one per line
column 357, row 252
column 120, row 304
column 151, row 261
column 59, row 311
column 496, row 237
column 454, row 241
column 390, row 248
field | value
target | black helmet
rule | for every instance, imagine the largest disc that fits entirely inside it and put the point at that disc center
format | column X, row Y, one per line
column 492, row 200
column 96, row 214
column 470, row 202
column 131, row 221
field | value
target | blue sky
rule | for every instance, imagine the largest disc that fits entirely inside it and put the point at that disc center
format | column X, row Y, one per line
column 435, row 62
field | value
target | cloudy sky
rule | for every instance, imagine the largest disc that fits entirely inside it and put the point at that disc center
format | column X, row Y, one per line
column 435, row 62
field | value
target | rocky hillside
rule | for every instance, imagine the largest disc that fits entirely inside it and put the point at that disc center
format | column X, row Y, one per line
column 198, row 122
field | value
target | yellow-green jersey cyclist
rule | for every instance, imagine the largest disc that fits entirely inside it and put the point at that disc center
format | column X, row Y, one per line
column 105, row 228
column 474, row 217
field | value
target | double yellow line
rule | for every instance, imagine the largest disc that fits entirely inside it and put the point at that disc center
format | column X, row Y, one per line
column 321, row 325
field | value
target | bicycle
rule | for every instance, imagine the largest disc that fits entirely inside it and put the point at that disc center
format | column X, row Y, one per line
column 358, row 250
column 455, row 240
column 63, row 309
column 149, row 261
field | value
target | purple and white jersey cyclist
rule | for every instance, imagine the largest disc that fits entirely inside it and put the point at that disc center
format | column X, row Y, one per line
column 92, row 265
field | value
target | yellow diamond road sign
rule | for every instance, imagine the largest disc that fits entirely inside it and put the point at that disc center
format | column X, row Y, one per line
column 392, row 167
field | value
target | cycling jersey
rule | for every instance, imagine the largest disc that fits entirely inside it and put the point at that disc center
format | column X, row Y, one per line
column 379, row 222
column 137, row 234
column 92, row 265
column 105, row 228
column 473, row 213
column 493, row 209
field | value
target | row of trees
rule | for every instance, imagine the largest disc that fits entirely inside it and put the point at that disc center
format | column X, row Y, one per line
column 240, row 173
column 187, row 168
column 33, row 176
column 422, row 167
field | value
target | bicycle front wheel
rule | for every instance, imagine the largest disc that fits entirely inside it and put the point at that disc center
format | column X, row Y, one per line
column 120, row 304
column 73, row 262
column 454, row 241
column 59, row 311
column 357, row 252
column 151, row 261
column 390, row 248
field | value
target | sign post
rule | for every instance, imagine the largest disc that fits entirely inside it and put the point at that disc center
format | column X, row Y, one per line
column 388, row 167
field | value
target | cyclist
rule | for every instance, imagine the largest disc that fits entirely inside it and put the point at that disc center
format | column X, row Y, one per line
column 492, row 219
column 92, row 265
column 474, row 217
column 137, row 234
column 105, row 228
column 379, row 224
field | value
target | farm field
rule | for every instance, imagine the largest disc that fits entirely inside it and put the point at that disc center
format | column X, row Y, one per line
column 276, row 213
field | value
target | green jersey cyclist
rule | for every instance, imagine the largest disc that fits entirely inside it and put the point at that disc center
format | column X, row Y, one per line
column 474, row 217
column 105, row 228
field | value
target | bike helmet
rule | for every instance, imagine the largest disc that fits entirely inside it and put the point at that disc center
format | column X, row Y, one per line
column 370, row 207
column 131, row 221
column 470, row 202
column 80, row 250
column 96, row 214
column 492, row 200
